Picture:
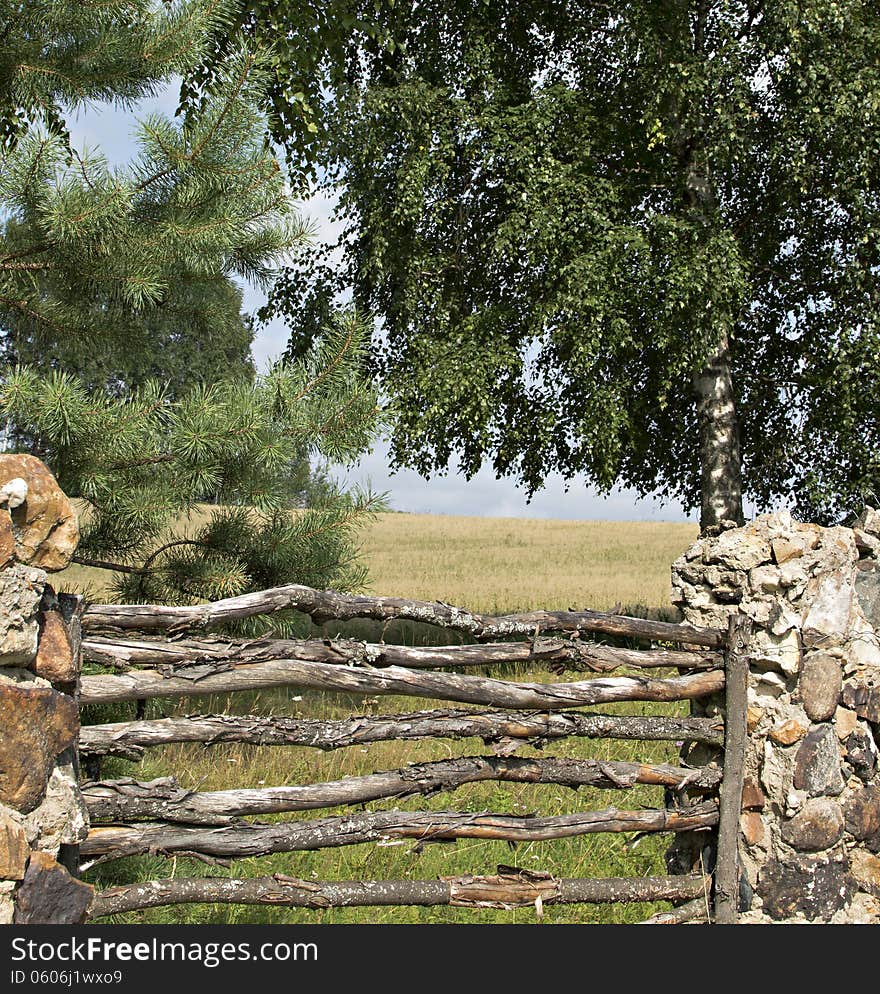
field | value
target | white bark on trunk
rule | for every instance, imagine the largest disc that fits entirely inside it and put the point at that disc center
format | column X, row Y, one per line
column 720, row 454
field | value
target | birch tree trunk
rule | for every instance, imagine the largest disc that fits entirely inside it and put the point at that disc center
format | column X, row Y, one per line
column 720, row 452
column 718, row 423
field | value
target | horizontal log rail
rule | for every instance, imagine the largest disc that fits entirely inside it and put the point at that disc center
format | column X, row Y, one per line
column 693, row 911
column 504, row 890
column 391, row 680
column 328, row 605
column 558, row 654
column 130, row 738
column 244, row 840
column 164, row 799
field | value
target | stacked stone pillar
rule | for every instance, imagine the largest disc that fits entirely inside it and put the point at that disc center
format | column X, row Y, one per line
column 810, row 823
column 42, row 815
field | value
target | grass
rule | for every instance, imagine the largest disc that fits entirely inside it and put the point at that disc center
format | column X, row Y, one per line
column 488, row 565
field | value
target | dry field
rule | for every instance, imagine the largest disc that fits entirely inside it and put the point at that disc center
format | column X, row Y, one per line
column 507, row 564
column 488, row 565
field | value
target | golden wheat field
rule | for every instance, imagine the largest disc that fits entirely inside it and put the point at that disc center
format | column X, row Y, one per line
column 487, row 565
column 505, row 564
column 509, row 564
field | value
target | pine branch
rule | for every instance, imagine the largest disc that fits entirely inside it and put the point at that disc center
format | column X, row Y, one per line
column 148, row 562
column 148, row 253
column 103, row 564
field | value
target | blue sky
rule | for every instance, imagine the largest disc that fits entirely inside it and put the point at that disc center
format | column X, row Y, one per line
column 110, row 129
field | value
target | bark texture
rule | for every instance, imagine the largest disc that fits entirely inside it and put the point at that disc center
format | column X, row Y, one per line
column 557, row 654
column 736, row 737
column 131, row 800
column 130, row 738
column 210, row 678
column 720, row 453
column 510, row 888
column 693, row 911
column 327, row 605
column 244, row 840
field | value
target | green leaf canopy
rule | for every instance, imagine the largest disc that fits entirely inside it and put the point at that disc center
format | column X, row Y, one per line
column 558, row 209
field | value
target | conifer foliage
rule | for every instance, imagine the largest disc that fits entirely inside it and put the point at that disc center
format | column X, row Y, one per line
column 203, row 200
column 89, row 251
column 142, row 464
column 58, row 54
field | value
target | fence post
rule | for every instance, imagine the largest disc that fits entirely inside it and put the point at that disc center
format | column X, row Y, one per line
column 42, row 814
column 736, row 668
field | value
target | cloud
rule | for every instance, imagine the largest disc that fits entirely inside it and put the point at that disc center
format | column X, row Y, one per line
column 484, row 496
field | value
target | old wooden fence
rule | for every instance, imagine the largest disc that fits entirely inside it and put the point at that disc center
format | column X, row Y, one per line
column 169, row 651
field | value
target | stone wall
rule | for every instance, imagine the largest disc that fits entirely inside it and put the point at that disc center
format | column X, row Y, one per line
column 810, row 824
column 42, row 816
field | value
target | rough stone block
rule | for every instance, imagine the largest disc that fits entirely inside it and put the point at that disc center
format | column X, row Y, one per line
column 14, row 849
column 784, row 618
column 61, row 817
column 863, row 643
column 7, row 539
column 38, row 725
column 818, row 825
column 740, row 548
column 55, row 659
column 786, row 548
column 753, row 798
column 845, row 723
column 788, row 732
column 867, row 593
column 862, row 696
column 865, row 869
column 829, row 598
column 44, row 522
column 815, row 888
column 49, row 895
column 21, row 589
column 866, row 543
column 775, row 770
column 817, row 764
column 869, row 521
column 778, row 652
column 770, row 685
column 754, row 715
column 759, row 609
column 752, row 828
column 794, row 574
column 764, row 579
column 861, row 753
column 862, row 813
column 7, row 908
column 820, row 685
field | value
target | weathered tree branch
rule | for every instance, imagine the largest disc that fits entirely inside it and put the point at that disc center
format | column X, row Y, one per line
column 244, row 840
column 164, row 799
column 130, row 738
column 203, row 678
column 694, row 911
column 327, row 605
column 558, row 654
column 509, row 889
column 103, row 564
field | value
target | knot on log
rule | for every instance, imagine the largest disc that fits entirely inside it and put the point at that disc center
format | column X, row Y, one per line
column 511, row 887
column 196, row 669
